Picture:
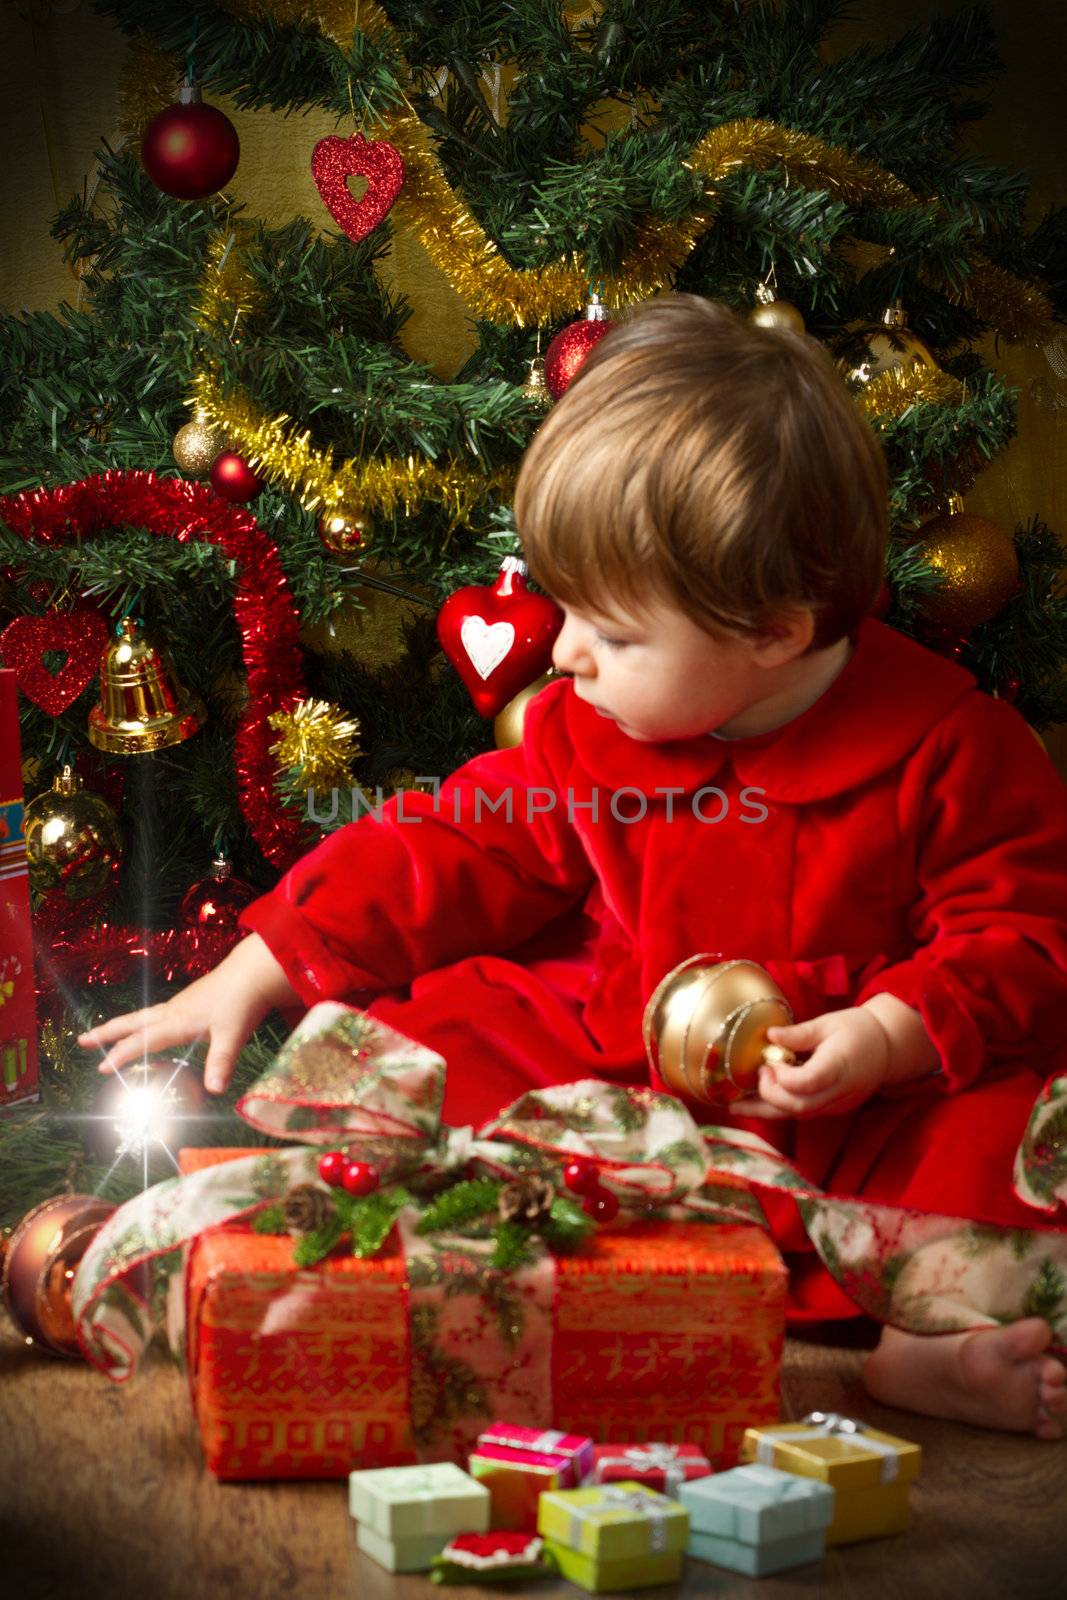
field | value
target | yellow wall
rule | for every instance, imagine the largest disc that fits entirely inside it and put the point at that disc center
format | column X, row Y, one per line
column 59, row 80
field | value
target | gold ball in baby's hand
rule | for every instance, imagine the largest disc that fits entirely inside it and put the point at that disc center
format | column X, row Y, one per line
column 196, row 446
column 705, row 1027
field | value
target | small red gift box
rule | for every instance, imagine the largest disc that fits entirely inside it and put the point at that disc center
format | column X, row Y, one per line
column 657, row 1465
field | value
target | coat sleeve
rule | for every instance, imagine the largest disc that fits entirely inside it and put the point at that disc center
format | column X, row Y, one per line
column 988, row 973
column 427, row 880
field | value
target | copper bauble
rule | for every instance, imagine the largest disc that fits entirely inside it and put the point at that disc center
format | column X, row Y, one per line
column 507, row 726
column 145, row 1108
column 39, row 1265
column 980, row 566
column 873, row 348
column 142, row 705
column 195, row 447
column 705, row 1027
column 73, row 841
column 770, row 312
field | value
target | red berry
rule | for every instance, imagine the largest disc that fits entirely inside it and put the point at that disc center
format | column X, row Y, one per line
column 601, row 1205
column 332, row 1167
column 581, row 1177
column 360, row 1177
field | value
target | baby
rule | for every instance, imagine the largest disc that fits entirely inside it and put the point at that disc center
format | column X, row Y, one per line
column 738, row 757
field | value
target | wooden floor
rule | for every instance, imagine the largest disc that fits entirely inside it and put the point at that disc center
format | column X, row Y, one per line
column 104, row 1497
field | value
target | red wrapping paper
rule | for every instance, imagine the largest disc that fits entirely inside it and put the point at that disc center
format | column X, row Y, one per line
column 18, row 1007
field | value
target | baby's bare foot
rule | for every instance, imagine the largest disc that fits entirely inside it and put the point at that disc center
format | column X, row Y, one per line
column 992, row 1377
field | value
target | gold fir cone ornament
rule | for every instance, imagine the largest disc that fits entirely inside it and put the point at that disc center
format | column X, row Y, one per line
column 867, row 352
column 319, row 739
column 705, row 1027
column 507, row 726
column 980, row 566
column 196, row 445
column 142, row 707
column 73, row 841
column 535, row 388
column 770, row 312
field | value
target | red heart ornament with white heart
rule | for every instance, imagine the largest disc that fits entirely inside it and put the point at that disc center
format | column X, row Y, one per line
column 499, row 638
column 81, row 635
column 334, row 160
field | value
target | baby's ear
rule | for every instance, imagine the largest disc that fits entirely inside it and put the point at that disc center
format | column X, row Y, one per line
column 785, row 636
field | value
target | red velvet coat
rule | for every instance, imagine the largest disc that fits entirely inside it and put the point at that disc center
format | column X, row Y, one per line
column 904, row 834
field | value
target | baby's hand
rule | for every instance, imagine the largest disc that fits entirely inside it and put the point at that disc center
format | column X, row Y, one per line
column 849, row 1063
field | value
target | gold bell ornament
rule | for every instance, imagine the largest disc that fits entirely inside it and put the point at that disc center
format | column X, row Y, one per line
column 705, row 1028
column 868, row 351
column 535, row 389
column 142, row 705
column 73, row 841
column 770, row 312
column 507, row 726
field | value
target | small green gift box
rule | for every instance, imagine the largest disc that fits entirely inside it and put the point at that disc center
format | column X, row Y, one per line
column 613, row 1521
column 402, row 1503
column 757, row 1520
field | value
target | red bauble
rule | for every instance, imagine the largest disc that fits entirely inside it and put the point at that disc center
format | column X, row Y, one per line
column 332, row 1167
column 216, row 901
column 581, row 1177
column 601, row 1205
column 499, row 639
column 334, row 160
column 190, row 150
column 360, row 1178
column 233, row 478
column 572, row 344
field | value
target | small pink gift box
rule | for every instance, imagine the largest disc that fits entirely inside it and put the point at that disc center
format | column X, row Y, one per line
column 658, row 1466
column 517, row 1464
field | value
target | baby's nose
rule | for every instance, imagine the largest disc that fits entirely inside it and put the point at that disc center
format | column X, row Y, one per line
column 568, row 653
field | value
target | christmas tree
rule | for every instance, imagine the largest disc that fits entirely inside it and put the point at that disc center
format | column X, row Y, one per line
column 548, row 158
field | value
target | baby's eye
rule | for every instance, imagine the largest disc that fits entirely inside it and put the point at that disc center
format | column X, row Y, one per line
column 612, row 644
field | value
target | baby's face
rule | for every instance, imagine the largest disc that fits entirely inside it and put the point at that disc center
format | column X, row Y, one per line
column 656, row 674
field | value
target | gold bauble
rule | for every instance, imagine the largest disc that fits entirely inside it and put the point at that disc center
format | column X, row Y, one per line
column 195, row 447
column 770, row 312
column 147, row 1108
column 980, row 566
column 535, row 389
column 40, row 1261
column 142, row 705
column 705, row 1027
column 507, row 726
column 868, row 351
column 73, row 841
column 343, row 531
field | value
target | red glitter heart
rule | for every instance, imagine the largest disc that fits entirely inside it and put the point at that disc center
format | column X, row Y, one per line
column 82, row 634
column 335, row 160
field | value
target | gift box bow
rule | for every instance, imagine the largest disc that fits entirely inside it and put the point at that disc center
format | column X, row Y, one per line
column 653, row 1457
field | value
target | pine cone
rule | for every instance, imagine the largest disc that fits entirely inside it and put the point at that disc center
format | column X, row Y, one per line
column 527, row 1199
column 307, row 1208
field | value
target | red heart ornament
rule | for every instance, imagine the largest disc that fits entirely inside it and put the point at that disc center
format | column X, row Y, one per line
column 499, row 638
column 334, row 160
column 81, row 633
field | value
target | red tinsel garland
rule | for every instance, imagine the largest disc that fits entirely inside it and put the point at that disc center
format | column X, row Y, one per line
column 268, row 623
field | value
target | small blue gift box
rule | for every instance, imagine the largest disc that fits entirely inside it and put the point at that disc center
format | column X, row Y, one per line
column 757, row 1520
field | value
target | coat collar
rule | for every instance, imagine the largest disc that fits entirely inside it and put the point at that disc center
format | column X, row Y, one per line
column 888, row 695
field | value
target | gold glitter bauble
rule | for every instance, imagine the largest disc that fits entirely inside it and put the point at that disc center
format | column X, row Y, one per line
column 770, row 312
column 343, row 531
column 705, row 1027
column 980, row 565
column 195, row 447
column 868, row 351
column 507, row 727
column 535, row 388
column 73, row 841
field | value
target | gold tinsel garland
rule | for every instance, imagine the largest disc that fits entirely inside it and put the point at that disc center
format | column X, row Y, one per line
column 318, row 739
column 896, row 391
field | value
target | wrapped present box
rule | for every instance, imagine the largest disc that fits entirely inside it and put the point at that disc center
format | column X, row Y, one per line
column 614, row 1536
column 674, row 1327
column 757, row 1520
column 658, row 1465
column 518, row 1464
column 407, row 1515
column 870, row 1472
column 18, row 1006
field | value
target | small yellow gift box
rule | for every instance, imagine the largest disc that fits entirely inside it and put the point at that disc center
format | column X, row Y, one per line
column 870, row 1472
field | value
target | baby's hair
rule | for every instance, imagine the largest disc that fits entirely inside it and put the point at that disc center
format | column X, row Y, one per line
column 703, row 460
